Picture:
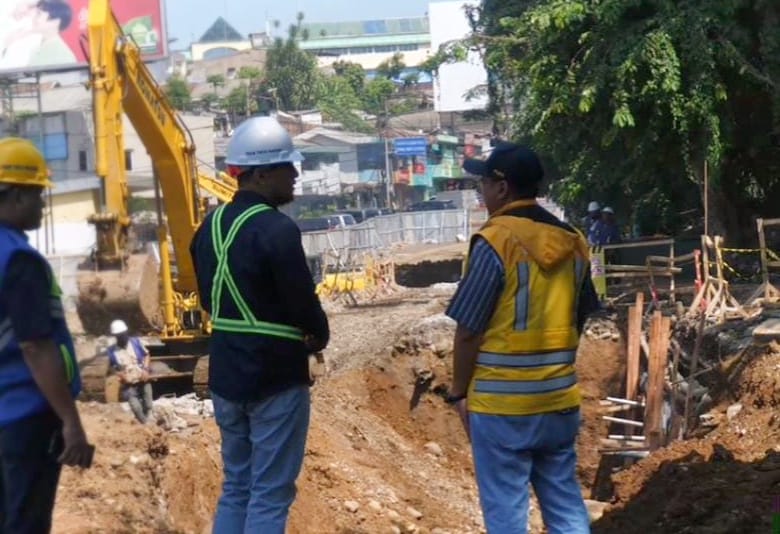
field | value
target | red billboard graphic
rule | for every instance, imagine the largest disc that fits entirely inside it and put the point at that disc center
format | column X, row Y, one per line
column 38, row 35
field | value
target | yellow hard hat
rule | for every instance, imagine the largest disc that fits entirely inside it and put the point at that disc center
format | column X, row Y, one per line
column 21, row 163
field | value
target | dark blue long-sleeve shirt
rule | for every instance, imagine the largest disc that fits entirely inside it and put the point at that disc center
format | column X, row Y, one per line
column 269, row 267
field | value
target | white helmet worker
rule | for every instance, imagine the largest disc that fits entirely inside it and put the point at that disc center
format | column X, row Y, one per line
column 593, row 206
column 608, row 210
column 118, row 326
column 261, row 141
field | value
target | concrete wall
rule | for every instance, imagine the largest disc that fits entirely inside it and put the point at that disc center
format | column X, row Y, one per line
column 74, row 207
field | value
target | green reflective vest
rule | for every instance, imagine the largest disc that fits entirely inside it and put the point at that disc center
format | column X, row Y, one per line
column 248, row 323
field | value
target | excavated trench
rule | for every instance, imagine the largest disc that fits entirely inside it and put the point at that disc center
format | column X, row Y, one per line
column 426, row 273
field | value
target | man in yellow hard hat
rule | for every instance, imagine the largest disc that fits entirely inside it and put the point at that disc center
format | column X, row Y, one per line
column 40, row 427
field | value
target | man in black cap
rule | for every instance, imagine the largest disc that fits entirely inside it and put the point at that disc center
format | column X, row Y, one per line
column 520, row 309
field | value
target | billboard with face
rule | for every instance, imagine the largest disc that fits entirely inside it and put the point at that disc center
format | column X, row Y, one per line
column 38, row 35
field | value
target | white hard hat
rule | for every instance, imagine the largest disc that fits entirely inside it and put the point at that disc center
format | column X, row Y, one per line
column 261, row 141
column 594, row 206
column 608, row 210
column 118, row 326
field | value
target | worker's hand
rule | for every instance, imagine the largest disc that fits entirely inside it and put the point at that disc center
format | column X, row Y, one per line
column 463, row 413
column 314, row 344
column 145, row 376
column 77, row 452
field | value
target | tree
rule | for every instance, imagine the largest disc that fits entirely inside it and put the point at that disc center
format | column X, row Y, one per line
column 338, row 102
column 249, row 73
column 179, row 93
column 392, row 68
column 354, row 74
column 292, row 71
column 629, row 99
column 237, row 101
column 209, row 100
column 376, row 95
column 216, row 80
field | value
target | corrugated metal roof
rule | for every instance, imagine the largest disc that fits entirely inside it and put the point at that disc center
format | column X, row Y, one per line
column 351, row 138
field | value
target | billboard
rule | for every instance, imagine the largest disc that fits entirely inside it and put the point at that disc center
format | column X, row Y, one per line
column 38, row 35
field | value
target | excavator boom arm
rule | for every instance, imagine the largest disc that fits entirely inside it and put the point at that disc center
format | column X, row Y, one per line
column 122, row 82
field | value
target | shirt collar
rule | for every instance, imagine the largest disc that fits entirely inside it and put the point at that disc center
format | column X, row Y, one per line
column 244, row 196
column 524, row 203
column 14, row 229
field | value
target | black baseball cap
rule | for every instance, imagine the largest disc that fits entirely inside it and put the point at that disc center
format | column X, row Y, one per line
column 514, row 163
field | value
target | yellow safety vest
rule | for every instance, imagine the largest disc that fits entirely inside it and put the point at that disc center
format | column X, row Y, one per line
column 526, row 360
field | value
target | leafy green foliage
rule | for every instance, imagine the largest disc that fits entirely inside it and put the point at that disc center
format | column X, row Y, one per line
column 338, row 102
column 353, row 72
column 292, row 72
column 629, row 98
column 178, row 91
column 249, row 73
column 391, row 68
column 216, row 81
column 376, row 95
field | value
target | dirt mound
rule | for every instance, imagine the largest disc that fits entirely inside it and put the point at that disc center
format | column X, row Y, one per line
column 759, row 385
column 723, row 481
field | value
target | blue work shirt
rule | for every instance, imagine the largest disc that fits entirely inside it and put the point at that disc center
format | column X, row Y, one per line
column 269, row 267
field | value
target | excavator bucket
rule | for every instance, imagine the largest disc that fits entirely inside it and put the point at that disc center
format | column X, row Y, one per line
column 130, row 294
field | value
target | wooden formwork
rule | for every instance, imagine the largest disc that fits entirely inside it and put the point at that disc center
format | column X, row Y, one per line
column 769, row 261
column 714, row 298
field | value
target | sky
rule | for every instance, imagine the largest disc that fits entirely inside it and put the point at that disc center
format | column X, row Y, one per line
column 189, row 19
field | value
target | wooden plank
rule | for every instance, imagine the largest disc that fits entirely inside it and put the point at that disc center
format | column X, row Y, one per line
column 659, row 347
column 613, row 268
column 634, row 341
column 639, row 244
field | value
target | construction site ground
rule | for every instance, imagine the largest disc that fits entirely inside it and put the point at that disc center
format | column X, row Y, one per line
column 386, row 454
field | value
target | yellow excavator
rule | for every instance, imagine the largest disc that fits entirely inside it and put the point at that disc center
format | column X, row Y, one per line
column 122, row 84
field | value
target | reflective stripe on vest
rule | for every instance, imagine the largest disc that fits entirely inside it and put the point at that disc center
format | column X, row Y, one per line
column 6, row 334
column 248, row 324
column 524, row 387
column 564, row 357
column 526, row 362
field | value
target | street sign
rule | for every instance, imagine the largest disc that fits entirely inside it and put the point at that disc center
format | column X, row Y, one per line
column 410, row 146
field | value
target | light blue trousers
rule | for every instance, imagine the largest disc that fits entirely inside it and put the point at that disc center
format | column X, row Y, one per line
column 511, row 452
column 263, row 444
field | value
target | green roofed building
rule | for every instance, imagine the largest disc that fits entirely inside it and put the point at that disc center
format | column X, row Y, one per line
column 369, row 42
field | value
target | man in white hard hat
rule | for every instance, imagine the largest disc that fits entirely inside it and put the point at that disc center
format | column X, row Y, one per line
column 131, row 360
column 593, row 223
column 610, row 232
column 255, row 283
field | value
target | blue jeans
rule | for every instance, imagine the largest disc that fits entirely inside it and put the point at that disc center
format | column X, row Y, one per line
column 509, row 452
column 29, row 473
column 263, row 444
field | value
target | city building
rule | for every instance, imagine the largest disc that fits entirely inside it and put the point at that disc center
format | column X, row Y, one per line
column 369, row 42
column 457, row 86
column 220, row 40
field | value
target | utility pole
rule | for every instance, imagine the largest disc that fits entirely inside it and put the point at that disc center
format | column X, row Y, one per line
column 388, row 167
column 388, row 171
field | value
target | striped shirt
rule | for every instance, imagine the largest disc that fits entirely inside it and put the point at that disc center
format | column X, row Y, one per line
column 478, row 292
